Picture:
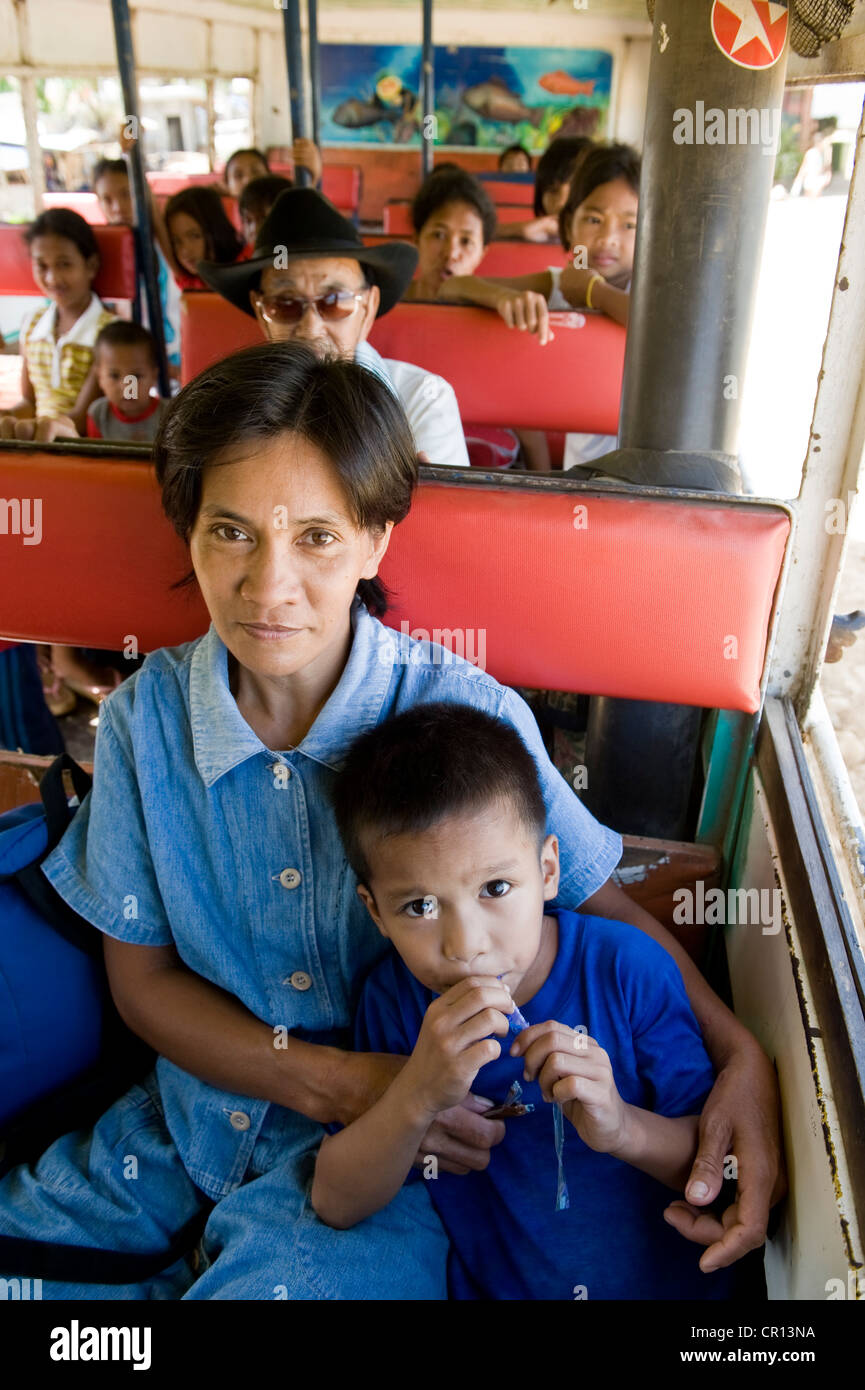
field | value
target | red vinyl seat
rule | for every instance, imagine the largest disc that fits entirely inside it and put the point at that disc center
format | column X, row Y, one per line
column 614, row 593
column 396, row 217
column 573, row 383
column 501, row 257
column 116, row 278
column 341, row 183
column 503, row 190
column 85, row 204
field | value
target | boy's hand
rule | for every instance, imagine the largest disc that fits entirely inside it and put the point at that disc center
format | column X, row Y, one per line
column 454, row 1042
column 305, row 154
column 542, row 228
column 574, row 1070
column 525, row 309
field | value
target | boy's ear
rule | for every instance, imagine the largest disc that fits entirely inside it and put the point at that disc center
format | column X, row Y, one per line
column 369, row 903
column 550, row 867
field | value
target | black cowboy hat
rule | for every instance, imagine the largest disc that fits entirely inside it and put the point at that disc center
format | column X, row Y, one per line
column 303, row 223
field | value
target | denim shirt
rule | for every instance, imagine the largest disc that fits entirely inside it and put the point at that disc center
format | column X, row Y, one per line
column 196, row 835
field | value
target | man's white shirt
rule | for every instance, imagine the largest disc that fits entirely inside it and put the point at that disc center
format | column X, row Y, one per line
column 429, row 403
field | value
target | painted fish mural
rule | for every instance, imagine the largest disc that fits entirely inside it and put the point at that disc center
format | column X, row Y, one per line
column 493, row 100
column 561, row 84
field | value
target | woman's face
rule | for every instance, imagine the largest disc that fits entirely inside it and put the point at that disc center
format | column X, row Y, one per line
column 606, row 224
column 188, row 240
column 61, row 272
column 451, row 242
column 278, row 556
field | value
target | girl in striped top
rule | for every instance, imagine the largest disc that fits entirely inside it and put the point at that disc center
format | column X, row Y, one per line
column 58, row 377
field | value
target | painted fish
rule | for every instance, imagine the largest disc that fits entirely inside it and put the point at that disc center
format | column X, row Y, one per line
column 561, row 84
column 355, row 113
column 493, row 100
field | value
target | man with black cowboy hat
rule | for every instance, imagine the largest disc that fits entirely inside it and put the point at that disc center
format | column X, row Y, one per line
column 312, row 280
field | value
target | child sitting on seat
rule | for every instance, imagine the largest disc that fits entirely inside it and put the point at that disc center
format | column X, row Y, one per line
column 127, row 370
column 454, row 220
column 58, row 376
column 199, row 230
column 256, row 199
column 552, row 181
column 245, row 165
column 515, row 160
column 444, row 823
column 597, row 227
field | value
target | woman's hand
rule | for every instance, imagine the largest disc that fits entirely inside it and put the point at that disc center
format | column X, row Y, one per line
column 741, row 1118
column 461, row 1138
column 525, row 309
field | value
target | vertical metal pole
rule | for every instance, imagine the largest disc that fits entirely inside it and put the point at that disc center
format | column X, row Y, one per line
column 144, row 241
column 314, row 68
column 428, row 92
column 30, row 109
column 294, row 68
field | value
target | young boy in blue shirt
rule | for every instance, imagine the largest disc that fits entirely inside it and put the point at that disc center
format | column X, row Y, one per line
column 443, row 820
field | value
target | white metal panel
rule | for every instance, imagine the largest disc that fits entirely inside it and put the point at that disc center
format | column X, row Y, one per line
column 233, row 50
column 77, row 33
column 771, row 993
column 172, row 42
column 9, row 51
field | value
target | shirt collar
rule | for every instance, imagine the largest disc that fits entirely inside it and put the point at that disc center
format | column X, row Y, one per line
column 221, row 737
column 83, row 331
column 366, row 356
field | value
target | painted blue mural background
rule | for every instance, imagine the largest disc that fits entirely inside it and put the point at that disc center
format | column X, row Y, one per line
column 484, row 97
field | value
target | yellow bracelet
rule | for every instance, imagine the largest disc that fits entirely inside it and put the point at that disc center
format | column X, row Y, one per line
column 591, row 286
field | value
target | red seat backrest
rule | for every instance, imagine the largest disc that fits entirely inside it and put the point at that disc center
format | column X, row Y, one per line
column 166, row 184
column 341, row 184
column 85, row 204
column 504, row 191
column 116, row 278
column 573, row 383
column 617, row 594
column 507, row 258
column 396, row 217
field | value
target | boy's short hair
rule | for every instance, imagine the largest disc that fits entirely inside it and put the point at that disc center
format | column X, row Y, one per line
column 108, row 166
column 514, row 149
column 601, row 164
column 259, row 195
column 122, row 333
column 433, row 761
column 450, row 184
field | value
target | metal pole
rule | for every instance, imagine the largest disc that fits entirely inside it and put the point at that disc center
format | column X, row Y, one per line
column 30, row 109
column 294, row 68
column 428, row 92
column 711, row 133
column 314, row 67
column 144, row 241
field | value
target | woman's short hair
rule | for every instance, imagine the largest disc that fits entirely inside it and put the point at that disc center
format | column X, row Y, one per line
column 204, row 206
column 272, row 389
column 66, row 223
column 450, row 184
column 556, row 165
column 601, row 164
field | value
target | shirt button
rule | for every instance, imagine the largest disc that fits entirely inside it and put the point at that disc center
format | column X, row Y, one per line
column 238, row 1119
column 290, row 878
column 299, row 980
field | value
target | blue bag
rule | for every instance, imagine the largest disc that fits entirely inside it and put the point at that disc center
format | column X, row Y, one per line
column 52, row 984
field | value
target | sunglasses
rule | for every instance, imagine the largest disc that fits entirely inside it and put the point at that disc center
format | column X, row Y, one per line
column 337, row 304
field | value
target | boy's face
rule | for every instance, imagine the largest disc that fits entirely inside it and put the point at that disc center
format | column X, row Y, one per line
column 465, row 897
column 451, row 242
column 250, row 223
column 126, row 375
column 115, row 199
column 606, row 224
column 243, row 169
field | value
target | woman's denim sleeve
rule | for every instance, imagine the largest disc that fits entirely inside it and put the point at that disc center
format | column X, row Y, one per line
column 102, row 866
column 589, row 851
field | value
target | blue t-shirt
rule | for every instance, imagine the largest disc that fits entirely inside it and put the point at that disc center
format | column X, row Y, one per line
column 507, row 1239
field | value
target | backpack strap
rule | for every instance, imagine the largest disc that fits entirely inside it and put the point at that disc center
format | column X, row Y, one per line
column 81, row 1264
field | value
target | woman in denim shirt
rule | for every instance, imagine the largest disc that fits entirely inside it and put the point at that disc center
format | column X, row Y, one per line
column 208, row 854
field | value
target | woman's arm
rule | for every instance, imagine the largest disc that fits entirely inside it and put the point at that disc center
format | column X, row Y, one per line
column 210, row 1034
column 741, row 1115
